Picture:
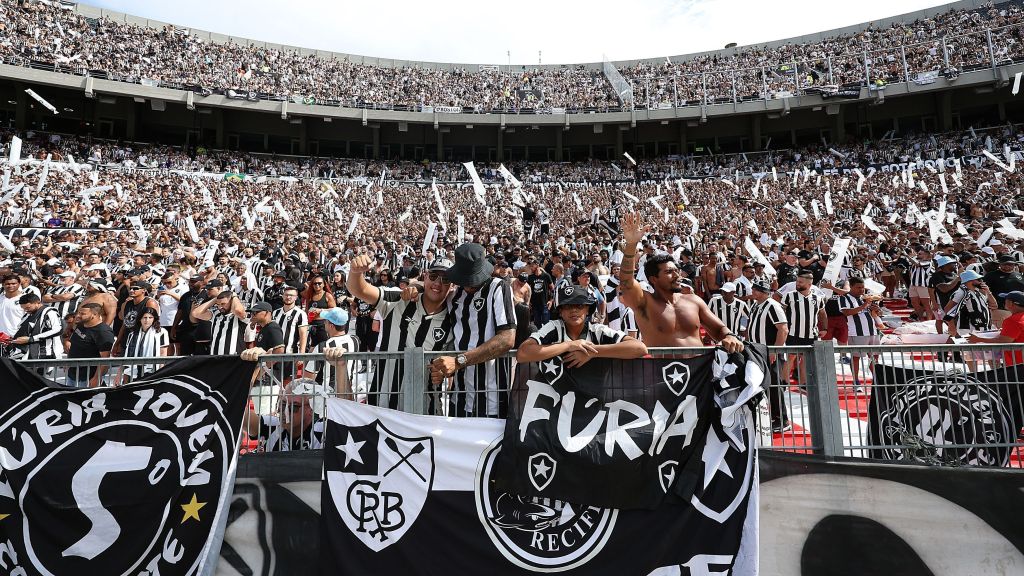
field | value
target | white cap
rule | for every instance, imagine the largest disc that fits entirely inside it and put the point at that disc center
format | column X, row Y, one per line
column 729, row 287
column 67, row 274
column 988, row 250
column 995, row 242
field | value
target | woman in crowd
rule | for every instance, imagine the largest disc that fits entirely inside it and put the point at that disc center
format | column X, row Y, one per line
column 150, row 340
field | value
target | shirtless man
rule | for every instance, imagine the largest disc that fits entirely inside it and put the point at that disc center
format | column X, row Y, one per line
column 709, row 277
column 98, row 292
column 668, row 317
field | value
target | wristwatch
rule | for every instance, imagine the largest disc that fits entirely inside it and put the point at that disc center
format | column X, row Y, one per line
column 461, row 361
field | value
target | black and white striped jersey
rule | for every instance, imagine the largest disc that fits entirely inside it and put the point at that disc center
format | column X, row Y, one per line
column 44, row 329
column 802, row 313
column 323, row 369
column 228, row 333
column 554, row 332
column 291, row 322
column 862, row 323
column 68, row 306
column 476, row 318
column 729, row 313
column 620, row 317
column 921, row 274
column 970, row 310
column 404, row 324
column 764, row 319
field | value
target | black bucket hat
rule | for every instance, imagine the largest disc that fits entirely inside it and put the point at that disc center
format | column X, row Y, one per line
column 471, row 266
column 572, row 294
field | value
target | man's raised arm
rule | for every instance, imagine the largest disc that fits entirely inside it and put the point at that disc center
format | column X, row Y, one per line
column 632, row 231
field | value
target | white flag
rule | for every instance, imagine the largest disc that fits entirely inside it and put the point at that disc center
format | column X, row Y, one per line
column 478, row 186
column 192, row 228
column 835, row 260
column 757, row 256
column 428, row 237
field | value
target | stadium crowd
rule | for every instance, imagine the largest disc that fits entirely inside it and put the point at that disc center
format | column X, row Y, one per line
column 113, row 259
column 52, row 33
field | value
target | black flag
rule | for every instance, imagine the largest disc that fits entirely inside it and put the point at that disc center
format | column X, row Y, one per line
column 127, row 480
column 624, row 434
column 951, row 418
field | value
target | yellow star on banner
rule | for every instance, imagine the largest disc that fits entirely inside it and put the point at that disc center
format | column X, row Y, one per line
column 2, row 516
column 192, row 509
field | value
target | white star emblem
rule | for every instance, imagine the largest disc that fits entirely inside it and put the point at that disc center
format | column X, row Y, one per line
column 550, row 366
column 541, row 469
column 676, row 376
column 351, row 449
column 714, row 457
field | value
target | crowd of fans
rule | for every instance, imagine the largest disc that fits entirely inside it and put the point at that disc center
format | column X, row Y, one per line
column 820, row 157
column 760, row 72
column 53, row 33
column 105, row 258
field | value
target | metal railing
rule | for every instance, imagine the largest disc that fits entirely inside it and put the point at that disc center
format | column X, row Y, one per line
column 947, row 404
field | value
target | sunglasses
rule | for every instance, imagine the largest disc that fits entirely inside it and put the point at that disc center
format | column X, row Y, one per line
column 318, row 283
column 438, row 277
column 136, row 288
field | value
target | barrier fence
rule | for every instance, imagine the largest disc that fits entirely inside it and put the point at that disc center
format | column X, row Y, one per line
column 948, row 405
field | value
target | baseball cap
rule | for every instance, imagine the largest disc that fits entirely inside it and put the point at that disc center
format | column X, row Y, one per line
column 969, row 275
column 1016, row 296
column 440, row 265
column 729, row 287
column 67, row 274
column 336, row 316
column 1008, row 259
column 761, row 287
column 262, row 307
column 215, row 284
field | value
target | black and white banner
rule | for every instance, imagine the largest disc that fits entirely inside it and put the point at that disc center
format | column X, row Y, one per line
column 409, row 494
column 631, row 434
column 128, row 480
column 950, row 418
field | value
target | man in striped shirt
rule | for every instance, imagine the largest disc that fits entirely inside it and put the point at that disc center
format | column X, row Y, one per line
column 805, row 311
column 863, row 323
column 330, row 373
column 65, row 296
column 39, row 334
column 732, row 311
column 768, row 325
column 295, row 324
column 420, row 322
column 228, row 322
column 483, row 326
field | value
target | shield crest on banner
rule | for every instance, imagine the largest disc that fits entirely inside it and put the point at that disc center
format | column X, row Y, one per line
column 379, row 506
column 541, row 470
column 676, row 376
column 732, row 478
column 667, row 474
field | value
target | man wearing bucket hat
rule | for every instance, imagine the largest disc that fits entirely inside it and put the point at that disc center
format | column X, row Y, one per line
column 422, row 322
column 574, row 337
column 483, row 327
column 970, row 308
